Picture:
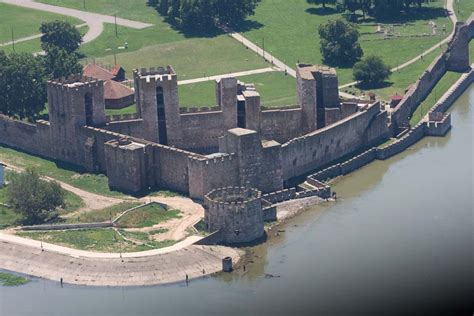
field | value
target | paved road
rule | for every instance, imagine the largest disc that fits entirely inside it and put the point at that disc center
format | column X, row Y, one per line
column 278, row 63
column 94, row 20
column 235, row 74
column 134, row 269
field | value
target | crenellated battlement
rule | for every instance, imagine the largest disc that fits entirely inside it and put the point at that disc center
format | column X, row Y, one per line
column 155, row 74
column 75, row 82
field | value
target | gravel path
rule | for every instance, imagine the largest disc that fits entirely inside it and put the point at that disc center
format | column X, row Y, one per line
column 94, row 20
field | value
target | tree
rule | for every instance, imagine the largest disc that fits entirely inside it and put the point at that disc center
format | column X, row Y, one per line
column 59, row 63
column 339, row 43
column 322, row 2
column 35, row 199
column 234, row 12
column 371, row 71
column 60, row 34
column 22, row 85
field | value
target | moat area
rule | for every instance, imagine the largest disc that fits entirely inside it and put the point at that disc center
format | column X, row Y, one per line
column 399, row 237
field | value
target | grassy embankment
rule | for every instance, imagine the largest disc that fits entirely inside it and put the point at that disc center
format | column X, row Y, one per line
column 109, row 240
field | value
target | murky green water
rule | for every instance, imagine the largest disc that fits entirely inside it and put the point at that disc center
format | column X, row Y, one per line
column 399, row 239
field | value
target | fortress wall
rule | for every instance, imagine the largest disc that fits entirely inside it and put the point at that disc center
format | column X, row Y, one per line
column 418, row 92
column 281, row 125
column 320, row 148
column 328, row 173
column 454, row 92
column 172, row 165
column 280, row 196
column 413, row 136
column 358, row 161
column 132, row 128
column 270, row 170
column 31, row 138
column 201, row 130
column 206, row 174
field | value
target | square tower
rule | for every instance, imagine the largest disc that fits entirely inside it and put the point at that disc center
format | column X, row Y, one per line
column 156, row 96
column 73, row 103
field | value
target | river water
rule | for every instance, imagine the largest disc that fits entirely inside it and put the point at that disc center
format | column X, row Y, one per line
column 398, row 240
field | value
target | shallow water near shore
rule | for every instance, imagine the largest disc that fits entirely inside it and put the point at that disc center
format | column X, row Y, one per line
column 399, row 239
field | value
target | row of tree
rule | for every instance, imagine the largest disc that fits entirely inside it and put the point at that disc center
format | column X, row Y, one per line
column 373, row 7
column 204, row 14
column 23, row 76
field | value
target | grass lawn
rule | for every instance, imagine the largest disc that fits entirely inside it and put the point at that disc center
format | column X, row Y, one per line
column 147, row 216
column 443, row 85
column 95, row 183
column 400, row 81
column 33, row 45
column 100, row 239
column 275, row 89
column 290, row 32
column 25, row 22
column 128, row 110
column 7, row 279
column 210, row 56
column 103, row 215
column 464, row 9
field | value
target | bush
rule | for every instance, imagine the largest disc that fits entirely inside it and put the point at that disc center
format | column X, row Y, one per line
column 371, row 71
column 35, row 199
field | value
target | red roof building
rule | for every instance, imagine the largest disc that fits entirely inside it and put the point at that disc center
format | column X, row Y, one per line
column 395, row 100
column 117, row 95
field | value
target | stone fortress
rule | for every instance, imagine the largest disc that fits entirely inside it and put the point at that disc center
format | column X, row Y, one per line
column 251, row 151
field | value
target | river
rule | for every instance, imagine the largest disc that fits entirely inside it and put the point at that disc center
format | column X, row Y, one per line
column 398, row 240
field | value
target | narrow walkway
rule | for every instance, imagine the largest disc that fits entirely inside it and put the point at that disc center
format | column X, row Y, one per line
column 94, row 20
column 235, row 74
column 153, row 267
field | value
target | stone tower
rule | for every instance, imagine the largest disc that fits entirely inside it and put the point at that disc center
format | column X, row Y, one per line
column 156, row 96
column 236, row 212
column 74, row 103
column 318, row 93
column 226, row 95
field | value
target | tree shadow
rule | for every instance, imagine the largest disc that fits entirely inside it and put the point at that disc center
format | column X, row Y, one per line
column 367, row 86
column 321, row 11
column 413, row 15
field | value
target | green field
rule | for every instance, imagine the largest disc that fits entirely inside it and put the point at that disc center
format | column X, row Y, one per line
column 289, row 29
column 103, row 215
column 210, row 56
column 147, row 216
column 441, row 88
column 25, row 22
column 275, row 90
column 95, row 183
column 128, row 110
column 100, row 239
column 464, row 9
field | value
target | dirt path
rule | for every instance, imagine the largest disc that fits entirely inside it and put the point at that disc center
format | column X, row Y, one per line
column 94, row 21
column 191, row 213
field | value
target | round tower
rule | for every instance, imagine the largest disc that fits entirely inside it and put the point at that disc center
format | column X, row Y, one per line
column 236, row 212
